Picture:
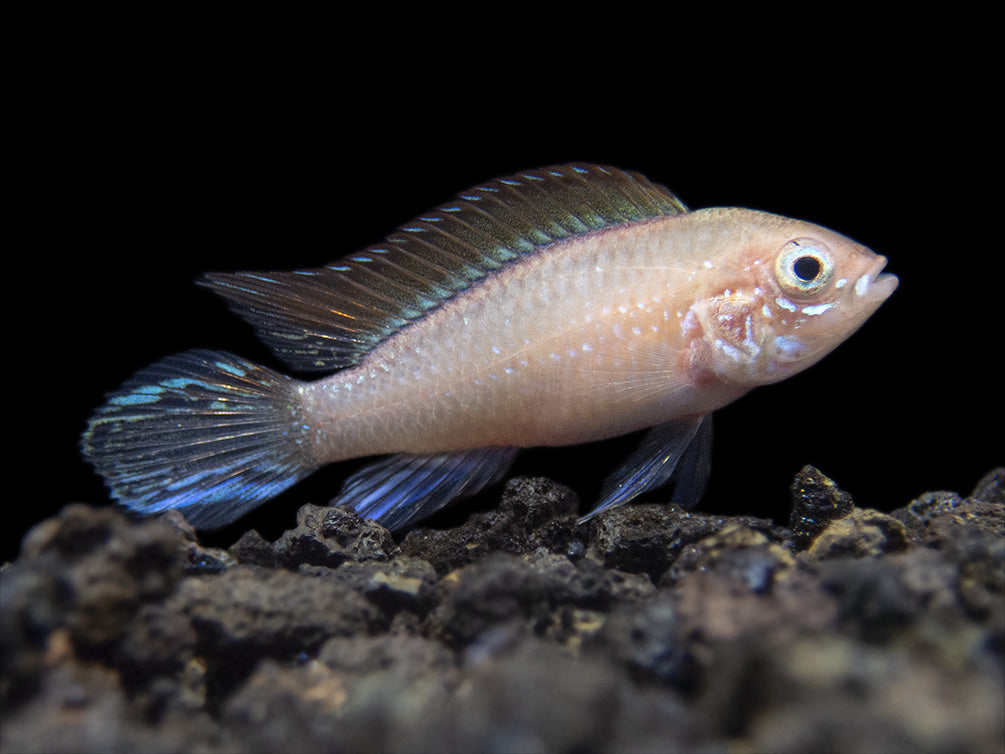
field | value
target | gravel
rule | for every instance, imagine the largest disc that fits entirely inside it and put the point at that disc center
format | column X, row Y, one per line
column 647, row 628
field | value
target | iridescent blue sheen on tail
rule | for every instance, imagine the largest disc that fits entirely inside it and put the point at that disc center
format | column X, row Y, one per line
column 205, row 432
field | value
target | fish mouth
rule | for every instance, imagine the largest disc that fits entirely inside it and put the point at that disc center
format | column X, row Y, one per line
column 877, row 284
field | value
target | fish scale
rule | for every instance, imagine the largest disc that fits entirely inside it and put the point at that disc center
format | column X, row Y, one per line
column 553, row 307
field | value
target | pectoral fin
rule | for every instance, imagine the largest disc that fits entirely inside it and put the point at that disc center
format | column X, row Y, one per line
column 680, row 451
column 401, row 489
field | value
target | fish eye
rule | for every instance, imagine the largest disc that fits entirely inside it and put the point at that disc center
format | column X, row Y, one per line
column 803, row 267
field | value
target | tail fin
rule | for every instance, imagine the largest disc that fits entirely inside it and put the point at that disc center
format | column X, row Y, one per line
column 205, row 432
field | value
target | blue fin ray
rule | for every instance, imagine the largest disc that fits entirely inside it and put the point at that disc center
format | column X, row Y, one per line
column 205, row 432
column 401, row 489
column 679, row 450
column 690, row 477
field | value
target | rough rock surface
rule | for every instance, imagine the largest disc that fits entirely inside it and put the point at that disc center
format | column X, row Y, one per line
column 645, row 629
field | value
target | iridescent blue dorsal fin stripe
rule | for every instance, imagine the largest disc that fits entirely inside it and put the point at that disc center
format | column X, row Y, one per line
column 329, row 318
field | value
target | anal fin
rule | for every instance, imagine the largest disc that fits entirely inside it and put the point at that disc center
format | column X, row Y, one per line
column 401, row 489
column 679, row 451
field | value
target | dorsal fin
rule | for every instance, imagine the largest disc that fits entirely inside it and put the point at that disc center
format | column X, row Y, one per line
column 329, row 318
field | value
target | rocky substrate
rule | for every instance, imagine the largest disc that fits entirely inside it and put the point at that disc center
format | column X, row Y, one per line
column 645, row 629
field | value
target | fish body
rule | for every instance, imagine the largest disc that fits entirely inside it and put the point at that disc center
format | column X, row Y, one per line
column 554, row 307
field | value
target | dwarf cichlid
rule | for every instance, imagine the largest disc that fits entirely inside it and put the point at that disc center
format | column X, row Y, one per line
column 553, row 307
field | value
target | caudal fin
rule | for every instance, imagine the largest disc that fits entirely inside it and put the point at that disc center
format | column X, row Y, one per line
column 205, row 432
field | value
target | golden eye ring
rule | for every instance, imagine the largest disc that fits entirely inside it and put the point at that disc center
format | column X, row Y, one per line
column 804, row 267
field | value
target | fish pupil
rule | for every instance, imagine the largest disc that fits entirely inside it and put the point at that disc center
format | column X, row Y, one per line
column 806, row 268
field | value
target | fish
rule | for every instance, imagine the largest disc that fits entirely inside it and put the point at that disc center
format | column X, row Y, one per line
column 552, row 307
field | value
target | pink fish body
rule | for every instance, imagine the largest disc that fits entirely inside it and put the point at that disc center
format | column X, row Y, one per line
column 554, row 307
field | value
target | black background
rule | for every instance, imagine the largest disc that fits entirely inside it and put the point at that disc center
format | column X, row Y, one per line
column 144, row 162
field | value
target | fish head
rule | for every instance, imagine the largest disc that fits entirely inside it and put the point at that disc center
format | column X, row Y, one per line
column 787, row 293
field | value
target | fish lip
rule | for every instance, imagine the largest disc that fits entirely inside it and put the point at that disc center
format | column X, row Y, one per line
column 883, row 283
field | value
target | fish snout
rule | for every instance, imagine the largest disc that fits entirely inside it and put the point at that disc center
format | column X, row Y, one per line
column 876, row 285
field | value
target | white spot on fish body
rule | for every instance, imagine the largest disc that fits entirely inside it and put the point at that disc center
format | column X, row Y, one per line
column 749, row 336
column 766, row 311
column 690, row 321
column 731, row 351
column 790, row 348
column 841, row 283
column 818, row 309
column 707, row 264
column 862, row 285
column 785, row 303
